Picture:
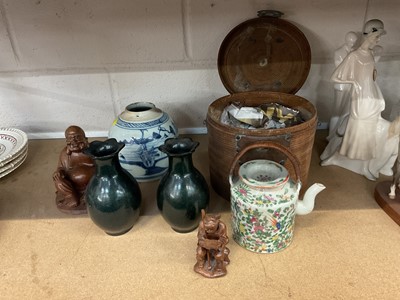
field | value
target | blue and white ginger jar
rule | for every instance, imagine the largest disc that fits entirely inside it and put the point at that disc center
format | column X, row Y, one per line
column 143, row 128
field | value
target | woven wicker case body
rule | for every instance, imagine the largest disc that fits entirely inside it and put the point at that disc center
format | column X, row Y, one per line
column 225, row 141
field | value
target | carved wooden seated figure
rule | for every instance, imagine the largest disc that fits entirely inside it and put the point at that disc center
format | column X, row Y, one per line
column 73, row 173
column 212, row 253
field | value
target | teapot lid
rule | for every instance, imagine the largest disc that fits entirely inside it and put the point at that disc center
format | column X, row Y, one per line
column 264, row 54
column 262, row 173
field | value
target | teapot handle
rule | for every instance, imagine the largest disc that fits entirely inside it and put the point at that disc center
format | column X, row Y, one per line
column 267, row 144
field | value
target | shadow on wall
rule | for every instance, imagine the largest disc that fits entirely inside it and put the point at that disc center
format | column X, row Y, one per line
column 319, row 90
column 324, row 93
column 43, row 93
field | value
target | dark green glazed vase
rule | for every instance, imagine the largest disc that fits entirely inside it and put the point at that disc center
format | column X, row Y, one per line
column 183, row 192
column 113, row 195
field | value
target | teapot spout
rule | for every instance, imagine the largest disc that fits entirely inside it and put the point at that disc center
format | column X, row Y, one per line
column 306, row 205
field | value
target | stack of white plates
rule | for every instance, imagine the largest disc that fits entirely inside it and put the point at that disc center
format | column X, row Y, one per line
column 13, row 149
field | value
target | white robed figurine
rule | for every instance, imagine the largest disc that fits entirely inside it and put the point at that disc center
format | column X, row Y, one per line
column 361, row 140
column 341, row 105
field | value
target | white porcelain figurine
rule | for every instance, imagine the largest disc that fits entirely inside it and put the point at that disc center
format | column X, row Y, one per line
column 341, row 107
column 361, row 141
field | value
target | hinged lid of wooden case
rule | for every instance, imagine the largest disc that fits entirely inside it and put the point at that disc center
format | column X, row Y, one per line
column 264, row 54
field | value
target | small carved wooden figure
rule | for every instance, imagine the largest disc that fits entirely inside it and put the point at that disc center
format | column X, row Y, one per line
column 212, row 253
column 73, row 173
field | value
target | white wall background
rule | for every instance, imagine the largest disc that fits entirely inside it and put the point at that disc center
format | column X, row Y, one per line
column 81, row 62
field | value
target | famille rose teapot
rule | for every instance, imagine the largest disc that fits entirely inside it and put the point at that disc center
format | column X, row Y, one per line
column 264, row 201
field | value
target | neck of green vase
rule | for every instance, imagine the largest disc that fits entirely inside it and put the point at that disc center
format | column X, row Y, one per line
column 107, row 165
column 181, row 163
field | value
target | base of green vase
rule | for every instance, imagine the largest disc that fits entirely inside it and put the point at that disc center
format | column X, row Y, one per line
column 119, row 233
column 183, row 230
